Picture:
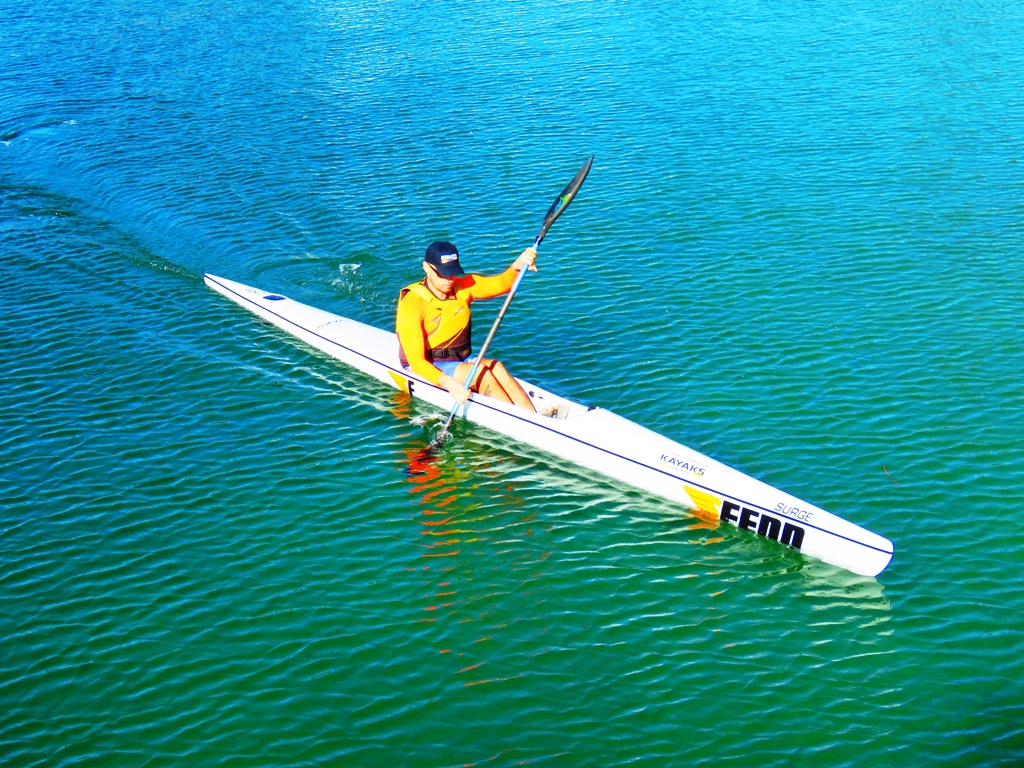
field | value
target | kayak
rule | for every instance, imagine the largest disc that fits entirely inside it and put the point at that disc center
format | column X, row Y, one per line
column 591, row 437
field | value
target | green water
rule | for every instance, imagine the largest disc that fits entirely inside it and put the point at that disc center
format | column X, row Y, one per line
column 799, row 252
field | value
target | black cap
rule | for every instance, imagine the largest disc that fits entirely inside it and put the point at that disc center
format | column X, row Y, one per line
column 445, row 258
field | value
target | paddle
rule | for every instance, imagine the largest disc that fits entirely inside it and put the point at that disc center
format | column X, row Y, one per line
column 556, row 209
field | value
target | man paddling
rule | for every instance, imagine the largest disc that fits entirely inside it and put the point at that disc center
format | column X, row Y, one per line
column 434, row 326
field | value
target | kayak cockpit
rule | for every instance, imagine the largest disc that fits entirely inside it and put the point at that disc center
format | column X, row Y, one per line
column 550, row 404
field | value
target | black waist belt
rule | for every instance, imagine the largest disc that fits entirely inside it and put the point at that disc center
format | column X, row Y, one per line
column 460, row 353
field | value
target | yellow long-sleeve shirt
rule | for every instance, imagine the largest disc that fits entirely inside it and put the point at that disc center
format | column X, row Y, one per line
column 425, row 323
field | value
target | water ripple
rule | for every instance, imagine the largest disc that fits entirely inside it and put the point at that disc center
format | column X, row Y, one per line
column 797, row 252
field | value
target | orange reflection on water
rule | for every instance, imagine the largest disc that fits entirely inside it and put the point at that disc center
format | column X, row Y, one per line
column 436, row 490
column 455, row 525
column 703, row 524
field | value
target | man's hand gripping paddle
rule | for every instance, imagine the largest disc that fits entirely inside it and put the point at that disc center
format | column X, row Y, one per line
column 560, row 204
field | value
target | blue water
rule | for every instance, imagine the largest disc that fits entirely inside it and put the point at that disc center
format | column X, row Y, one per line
column 799, row 252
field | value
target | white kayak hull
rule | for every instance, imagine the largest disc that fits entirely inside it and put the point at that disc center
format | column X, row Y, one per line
column 591, row 437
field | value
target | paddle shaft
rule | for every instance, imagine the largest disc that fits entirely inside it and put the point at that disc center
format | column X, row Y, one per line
column 487, row 341
column 556, row 210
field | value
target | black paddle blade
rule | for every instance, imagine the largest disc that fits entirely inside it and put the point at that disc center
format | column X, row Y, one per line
column 440, row 438
column 563, row 200
column 438, row 441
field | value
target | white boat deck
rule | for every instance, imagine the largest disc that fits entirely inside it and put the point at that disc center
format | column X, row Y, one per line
column 591, row 437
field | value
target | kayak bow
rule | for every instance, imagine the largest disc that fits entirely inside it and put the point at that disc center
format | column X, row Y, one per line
column 590, row 437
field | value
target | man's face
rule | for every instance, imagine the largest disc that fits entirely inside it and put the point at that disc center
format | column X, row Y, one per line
column 440, row 284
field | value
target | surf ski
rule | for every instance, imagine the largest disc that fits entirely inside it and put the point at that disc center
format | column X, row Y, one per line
column 594, row 438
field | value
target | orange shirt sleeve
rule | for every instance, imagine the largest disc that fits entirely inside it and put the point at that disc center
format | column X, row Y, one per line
column 495, row 285
column 413, row 337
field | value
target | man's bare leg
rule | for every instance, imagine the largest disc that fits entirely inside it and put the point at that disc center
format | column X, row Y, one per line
column 511, row 386
column 485, row 382
column 494, row 380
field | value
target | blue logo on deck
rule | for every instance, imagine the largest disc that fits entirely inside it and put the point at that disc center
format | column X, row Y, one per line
column 273, row 297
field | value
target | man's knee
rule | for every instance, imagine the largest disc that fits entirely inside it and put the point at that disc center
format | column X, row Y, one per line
column 486, row 375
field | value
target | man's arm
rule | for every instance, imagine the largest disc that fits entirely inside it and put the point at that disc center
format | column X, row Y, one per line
column 496, row 285
column 409, row 324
